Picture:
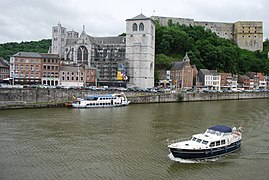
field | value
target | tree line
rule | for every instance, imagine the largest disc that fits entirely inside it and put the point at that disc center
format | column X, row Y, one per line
column 9, row 49
column 206, row 50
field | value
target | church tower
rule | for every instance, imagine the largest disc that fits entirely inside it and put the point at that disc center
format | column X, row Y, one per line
column 140, row 51
column 58, row 40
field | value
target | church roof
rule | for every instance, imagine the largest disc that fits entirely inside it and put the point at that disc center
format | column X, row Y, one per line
column 179, row 65
column 110, row 40
column 139, row 17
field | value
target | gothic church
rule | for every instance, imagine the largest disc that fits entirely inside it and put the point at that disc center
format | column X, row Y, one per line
column 125, row 60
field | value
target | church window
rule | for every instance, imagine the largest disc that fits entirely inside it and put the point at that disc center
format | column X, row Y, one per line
column 134, row 27
column 141, row 27
column 82, row 54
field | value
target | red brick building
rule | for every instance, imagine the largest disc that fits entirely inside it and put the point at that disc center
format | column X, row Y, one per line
column 182, row 74
column 50, row 69
column 25, row 68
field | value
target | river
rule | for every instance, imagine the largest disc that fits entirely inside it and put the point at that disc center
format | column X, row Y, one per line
column 130, row 142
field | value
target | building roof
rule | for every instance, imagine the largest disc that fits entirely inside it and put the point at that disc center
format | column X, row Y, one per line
column 47, row 55
column 3, row 63
column 27, row 54
column 255, row 75
column 209, row 72
column 111, row 40
column 179, row 65
column 139, row 17
column 243, row 77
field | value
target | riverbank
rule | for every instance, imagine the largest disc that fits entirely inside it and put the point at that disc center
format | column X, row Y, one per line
column 38, row 98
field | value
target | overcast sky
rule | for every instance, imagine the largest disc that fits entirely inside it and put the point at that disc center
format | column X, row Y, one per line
column 26, row 20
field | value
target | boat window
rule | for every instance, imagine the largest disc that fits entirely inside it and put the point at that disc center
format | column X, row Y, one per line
column 222, row 141
column 204, row 142
column 217, row 143
column 199, row 140
column 194, row 139
column 212, row 144
column 210, row 131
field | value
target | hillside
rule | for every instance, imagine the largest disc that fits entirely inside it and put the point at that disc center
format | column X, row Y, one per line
column 206, row 50
column 9, row 49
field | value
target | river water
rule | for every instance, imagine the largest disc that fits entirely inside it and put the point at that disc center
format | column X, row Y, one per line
column 130, row 142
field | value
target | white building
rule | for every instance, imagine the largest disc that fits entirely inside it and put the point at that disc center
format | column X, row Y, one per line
column 209, row 78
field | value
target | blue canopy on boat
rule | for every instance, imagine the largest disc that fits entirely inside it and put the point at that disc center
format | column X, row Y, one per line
column 221, row 128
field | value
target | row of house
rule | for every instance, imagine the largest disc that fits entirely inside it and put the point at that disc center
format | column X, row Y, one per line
column 46, row 69
column 184, row 76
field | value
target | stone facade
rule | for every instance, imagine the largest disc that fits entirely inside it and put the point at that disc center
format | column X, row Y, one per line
column 249, row 35
column 246, row 34
column 140, row 50
column 127, row 60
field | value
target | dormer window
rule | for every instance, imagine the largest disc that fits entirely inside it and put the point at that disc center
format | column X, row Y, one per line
column 134, row 27
column 141, row 27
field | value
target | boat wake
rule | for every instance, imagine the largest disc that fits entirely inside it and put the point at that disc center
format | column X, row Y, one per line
column 189, row 161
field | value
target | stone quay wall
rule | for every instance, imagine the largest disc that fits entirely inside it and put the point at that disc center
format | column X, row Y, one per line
column 32, row 98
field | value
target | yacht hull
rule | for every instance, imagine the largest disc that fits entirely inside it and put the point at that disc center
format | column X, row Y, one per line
column 205, row 153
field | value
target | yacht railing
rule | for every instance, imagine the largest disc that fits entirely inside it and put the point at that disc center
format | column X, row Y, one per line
column 169, row 142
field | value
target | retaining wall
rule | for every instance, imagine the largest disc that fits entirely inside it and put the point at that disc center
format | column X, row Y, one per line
column 60, row 95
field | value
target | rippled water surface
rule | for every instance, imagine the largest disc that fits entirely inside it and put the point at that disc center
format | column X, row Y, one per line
column 129, row 142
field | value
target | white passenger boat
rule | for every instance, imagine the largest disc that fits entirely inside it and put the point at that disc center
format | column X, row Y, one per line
column 216, row 141
column 101, row 100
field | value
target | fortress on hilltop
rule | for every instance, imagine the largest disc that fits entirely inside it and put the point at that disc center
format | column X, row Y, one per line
column 246, row 34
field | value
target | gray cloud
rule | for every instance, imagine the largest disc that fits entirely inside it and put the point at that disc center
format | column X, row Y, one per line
column 25, row 20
